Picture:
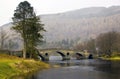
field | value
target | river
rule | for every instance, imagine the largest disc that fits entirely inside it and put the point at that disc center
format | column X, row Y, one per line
column 78, row 69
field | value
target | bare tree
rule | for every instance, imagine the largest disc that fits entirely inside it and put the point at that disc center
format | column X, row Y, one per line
column 107, row 42
column 3, row 38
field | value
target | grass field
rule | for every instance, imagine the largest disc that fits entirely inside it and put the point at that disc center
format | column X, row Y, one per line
column 11, row 65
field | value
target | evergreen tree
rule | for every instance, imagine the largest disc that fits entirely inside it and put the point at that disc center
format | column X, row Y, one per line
column 28, row 25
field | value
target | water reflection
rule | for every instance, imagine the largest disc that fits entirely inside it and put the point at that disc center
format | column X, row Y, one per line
column 79, row 69
column 111, row 67
column 55, row 58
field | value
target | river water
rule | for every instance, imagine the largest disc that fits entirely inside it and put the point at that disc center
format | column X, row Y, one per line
column 79, row 69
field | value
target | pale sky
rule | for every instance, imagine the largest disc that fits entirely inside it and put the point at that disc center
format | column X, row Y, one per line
column 7, row 7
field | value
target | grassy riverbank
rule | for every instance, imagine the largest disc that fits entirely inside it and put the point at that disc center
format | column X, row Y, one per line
column 11, row 65
column 111, row 58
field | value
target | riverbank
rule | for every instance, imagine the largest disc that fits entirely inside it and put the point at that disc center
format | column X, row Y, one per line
column 111, row 58
column 11, row 66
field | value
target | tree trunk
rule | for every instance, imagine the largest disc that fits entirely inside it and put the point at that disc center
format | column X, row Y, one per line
column 24, row 49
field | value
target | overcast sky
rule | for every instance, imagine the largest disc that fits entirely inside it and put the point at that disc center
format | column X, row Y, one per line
column 7, row 7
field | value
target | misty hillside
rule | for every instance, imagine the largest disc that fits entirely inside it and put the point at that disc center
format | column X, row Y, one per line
column 82, row 23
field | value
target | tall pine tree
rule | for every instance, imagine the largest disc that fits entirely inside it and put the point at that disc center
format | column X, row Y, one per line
column 28, row 25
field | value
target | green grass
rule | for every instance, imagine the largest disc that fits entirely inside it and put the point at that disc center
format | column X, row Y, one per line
column 11, row 66
column 6, row 70
column 113, row 58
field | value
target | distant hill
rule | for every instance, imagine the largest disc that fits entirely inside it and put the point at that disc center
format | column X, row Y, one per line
column 83, row 23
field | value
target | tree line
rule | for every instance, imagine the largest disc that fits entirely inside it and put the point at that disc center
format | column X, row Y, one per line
column 105, row 44
column 29, row 26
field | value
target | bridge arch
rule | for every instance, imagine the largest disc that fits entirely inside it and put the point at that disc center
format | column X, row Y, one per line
column 63, row 55
column 79, row 56
column 40, row 55
column 68, row 54
column 44, row 57
column 90, row 56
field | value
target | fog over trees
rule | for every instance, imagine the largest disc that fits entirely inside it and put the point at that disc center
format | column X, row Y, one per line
column 67, row 30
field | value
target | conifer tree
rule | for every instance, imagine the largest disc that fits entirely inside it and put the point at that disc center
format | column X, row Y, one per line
column 28, row 25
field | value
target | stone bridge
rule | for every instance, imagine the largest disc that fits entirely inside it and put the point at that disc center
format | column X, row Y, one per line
column 45, row 56
column 67, row 56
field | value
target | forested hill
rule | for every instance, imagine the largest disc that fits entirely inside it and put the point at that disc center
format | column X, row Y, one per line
column 82, row 23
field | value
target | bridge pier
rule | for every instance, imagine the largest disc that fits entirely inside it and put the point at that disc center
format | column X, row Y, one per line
column 90, row 56
column 46, row 56
column 67, row 56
